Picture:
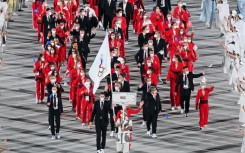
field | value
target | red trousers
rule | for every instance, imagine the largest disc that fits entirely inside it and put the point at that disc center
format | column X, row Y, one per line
column 175, row 99
column 203, row 110
column 40, row 90
column 63, row 53
column 86, row 110
column 38, row 32
column 78, row 107
column 73, row 91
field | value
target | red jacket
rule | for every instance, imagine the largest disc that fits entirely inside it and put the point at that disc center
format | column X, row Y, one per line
column 200, row 95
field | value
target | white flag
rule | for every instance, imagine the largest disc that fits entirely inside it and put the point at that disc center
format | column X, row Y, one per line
column 102, row 64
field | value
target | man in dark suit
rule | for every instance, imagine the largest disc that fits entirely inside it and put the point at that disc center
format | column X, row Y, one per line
column 145, row 88
column 115, row 74
column 117, row 29
column 100, row 112
column 160, row 47
column 144, row 36
column 47, row 24
column 83, row 20
column 153, row 108
column 165, row 6
column 125, row 84
column 140, row 58
column 109, row 12
column 127, row 10
column 83, row 42
column 186, row 85
column 54, row 103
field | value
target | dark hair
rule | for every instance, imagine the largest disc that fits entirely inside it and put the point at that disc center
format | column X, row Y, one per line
column 39, row 57
column 185, row 67
column 178, row 57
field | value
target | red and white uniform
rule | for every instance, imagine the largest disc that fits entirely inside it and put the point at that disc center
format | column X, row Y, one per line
column 173, row 72
column 202, row 96
column 38, row 70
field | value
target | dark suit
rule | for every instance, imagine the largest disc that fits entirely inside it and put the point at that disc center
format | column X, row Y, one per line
column 114, row 77
column 144, row 38
column 164, row 9
column 83, row 48
column 101, row 122
column 153, row 108
column 83, row 22
column 118, row 30
column 125, row 86
column 144, row 90
column 140, row 59
column 47, row 25
column 185, row 94
column 127, row 14
column 55, row 113
column 158, row 46
column 109, row 13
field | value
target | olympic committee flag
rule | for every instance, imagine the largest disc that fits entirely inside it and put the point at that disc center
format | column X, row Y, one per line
column 102, row 64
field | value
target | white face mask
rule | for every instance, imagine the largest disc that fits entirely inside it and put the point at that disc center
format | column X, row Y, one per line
column 178, row 22
column 49, row 48
column 151, row 55
column 79, row 65
column 42, row 59
column 102, row 99
column 187, row 72
column 53, row 80
column 149, row 83
column 87, row 84
column 155, row 36
column 82, row 74
column 112, row 37
column 173, row 59
column 169, row 18
column 52, row 68
column 179, row 5
column 147, row 31
column 66, row 2
column 203, row 86
column 52, row 44
column 146, row 48
column 52, row 51
column 120, row 14
column 174, row 27
column 189, row 40
column 119, row 80
column 181, row 33
column 144, row 16
column 61, row 27
column 185, row 40
column 77, row 28
column 148, row 72
column 83, row 13
column 50, row 13
column 73, row 55
column 122, row 62
column 53, row 32
column 119, row 37
column 185, row 47
column 116, row 88
column 149, row 64
column 150, row 44
column 118, row 25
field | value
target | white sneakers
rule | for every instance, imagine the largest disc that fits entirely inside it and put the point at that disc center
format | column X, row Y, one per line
column 83, row 124
column 172, row 108
column 57, row 135
column 178, row 107
column 154, row 135
column 148, row 133
column 112, row 134
column 100, row 24
column 53, row 137
column 143, row 123
column 37, row 101
column 182, row 111
column 49, row 127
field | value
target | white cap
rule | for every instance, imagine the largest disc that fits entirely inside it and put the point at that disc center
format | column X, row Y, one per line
column 203, row 80
column 233, row 12
column 184, row 4
column 240, row 16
